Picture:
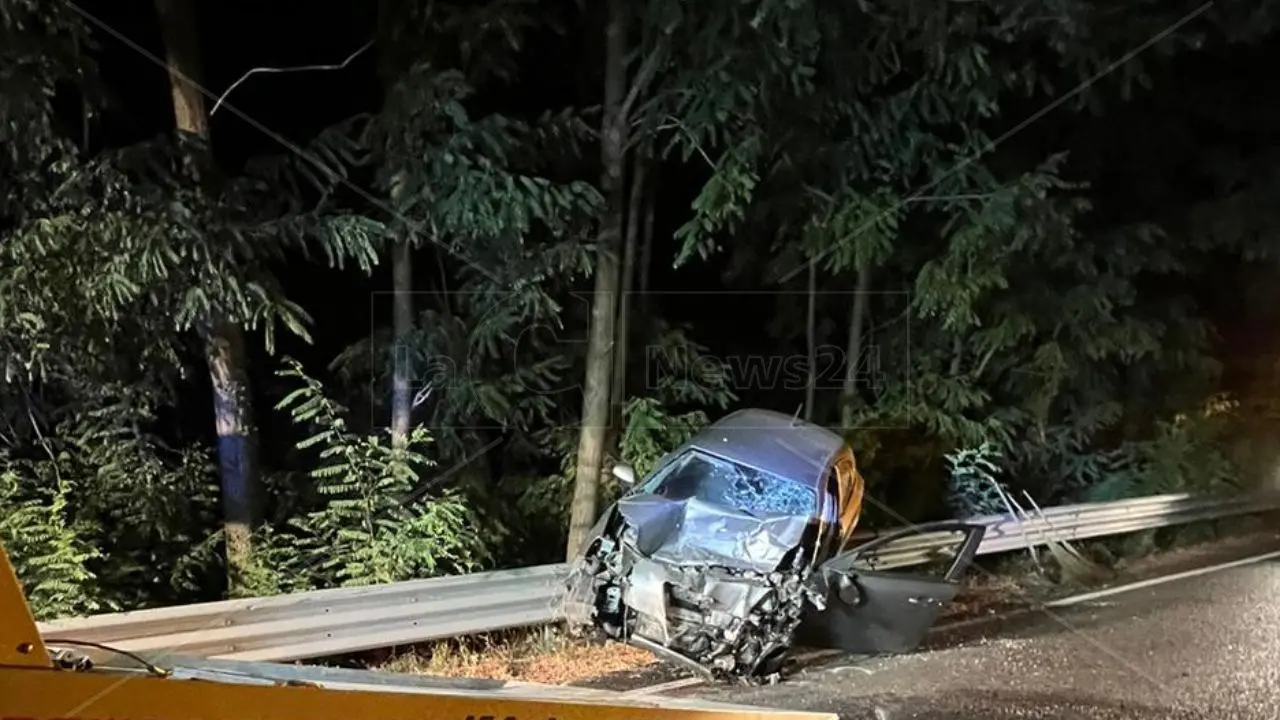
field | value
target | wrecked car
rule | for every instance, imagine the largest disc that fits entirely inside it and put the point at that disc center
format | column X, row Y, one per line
column 738, row 548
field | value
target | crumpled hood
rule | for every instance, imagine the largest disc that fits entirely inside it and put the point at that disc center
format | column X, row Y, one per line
column 692, row 532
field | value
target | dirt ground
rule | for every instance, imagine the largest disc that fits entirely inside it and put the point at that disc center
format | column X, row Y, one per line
column 545, row 655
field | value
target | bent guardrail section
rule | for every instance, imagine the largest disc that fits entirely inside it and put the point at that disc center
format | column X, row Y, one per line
column 1066, row 523
column 346, row 620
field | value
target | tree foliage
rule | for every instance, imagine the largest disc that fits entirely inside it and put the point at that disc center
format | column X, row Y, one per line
column 366, row 518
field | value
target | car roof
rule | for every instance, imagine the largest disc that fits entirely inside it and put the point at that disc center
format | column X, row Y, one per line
column 771, row 441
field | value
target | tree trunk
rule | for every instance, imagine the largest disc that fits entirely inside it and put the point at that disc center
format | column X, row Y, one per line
column 595, row 402
column 237, row 445
column 224, row 340
column 854, row 359
column 618, row 395
column 401, row 237
column 646, row 243
column 810, row 330
column 182, row 50
column 402, row 328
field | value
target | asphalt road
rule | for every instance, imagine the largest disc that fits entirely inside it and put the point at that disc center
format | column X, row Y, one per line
column 1205, row 647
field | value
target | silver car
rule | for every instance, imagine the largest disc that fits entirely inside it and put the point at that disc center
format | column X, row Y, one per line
column 739, row 547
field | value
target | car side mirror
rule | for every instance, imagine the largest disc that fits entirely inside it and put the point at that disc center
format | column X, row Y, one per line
column 625, row 474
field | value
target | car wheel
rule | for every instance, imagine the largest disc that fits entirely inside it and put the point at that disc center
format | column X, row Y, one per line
column 770, row 661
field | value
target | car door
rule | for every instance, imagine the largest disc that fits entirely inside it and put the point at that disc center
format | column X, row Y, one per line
column 871, row 611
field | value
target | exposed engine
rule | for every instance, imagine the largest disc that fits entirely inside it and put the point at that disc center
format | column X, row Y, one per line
column 727, row 622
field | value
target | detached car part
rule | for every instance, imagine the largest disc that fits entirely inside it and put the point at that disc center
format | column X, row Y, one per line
column 732, row 552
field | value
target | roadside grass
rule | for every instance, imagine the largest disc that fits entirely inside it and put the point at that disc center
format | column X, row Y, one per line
column 543, row 655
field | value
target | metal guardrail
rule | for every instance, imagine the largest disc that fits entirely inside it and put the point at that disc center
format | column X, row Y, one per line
column 1066, row 523
column 329, row 622
column 345, row 620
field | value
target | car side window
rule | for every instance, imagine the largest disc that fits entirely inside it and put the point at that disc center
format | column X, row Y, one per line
column 831, row 507
column 826, row 546
column 933, row 563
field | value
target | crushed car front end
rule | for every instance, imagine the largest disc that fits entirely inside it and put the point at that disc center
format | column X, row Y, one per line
column 708, row 562
column 737, row 547
column 729, row 619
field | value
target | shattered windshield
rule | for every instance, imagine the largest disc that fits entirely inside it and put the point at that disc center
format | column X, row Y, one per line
column 721, row 482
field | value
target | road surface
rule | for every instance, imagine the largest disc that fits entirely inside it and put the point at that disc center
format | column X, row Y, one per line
column 1205, row 647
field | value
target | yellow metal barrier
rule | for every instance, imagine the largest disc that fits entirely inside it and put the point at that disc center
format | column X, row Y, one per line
column 35, row 687
column 22, row 646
